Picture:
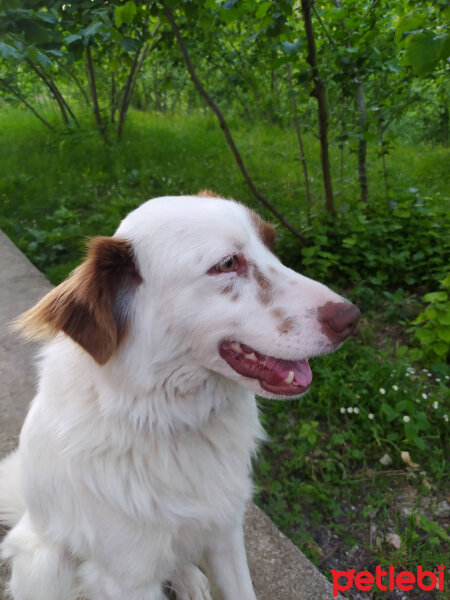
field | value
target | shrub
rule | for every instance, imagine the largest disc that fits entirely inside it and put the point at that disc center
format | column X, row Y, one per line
column 432, row 327
column 372, row 248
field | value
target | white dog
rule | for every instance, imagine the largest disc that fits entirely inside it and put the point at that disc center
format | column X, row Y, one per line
column 134, row 460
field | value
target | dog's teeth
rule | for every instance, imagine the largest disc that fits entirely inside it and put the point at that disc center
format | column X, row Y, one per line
column 251, row 356
column 290, row 377
column 236, row 347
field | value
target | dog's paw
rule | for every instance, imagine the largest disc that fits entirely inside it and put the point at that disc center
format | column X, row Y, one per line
column 189, row 583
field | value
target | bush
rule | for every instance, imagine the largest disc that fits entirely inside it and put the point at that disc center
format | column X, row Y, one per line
column 371, row 249
column 432, row 326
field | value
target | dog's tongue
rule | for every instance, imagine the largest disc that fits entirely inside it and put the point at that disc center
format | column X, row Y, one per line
column 278, row 376
column 275, row 370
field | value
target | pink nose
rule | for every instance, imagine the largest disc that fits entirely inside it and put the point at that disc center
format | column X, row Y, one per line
column 338, row 319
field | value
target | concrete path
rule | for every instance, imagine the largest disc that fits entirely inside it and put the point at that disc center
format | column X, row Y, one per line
column 279, row 570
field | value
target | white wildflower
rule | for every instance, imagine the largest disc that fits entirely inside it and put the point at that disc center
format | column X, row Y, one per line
column 446, row 418
column 406, row 419
column 438, row 380
column 356, row 410
column 395, row 388
column 371, row 416
column 382, row 391
column 350, row 409
column 424, row 396
column 342, row 410
column 435, row 404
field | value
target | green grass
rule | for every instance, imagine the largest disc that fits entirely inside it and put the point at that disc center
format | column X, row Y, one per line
column 56, row 188
column 320, row 478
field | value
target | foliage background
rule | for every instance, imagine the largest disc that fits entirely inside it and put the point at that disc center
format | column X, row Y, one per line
column 336, row 122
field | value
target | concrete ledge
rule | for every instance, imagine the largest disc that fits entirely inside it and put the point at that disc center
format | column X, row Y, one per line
column 279, row 570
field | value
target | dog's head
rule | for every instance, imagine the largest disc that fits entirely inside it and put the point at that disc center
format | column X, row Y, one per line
column 191, row 282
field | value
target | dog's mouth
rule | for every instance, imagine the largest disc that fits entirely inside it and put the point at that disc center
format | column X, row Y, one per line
column 275, row 375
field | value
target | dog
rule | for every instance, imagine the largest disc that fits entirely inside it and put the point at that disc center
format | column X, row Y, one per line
column 134, row 462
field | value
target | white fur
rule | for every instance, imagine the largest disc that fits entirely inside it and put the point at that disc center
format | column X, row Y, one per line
column 134, row 471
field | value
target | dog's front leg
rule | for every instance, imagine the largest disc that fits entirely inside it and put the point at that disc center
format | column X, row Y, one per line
column 227, row 568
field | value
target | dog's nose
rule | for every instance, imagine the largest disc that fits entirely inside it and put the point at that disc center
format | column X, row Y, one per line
column 338, row 319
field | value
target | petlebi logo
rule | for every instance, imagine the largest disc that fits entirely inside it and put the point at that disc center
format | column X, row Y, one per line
column 388, row 580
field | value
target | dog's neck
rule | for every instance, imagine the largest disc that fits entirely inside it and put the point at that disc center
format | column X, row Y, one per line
column 179, row 397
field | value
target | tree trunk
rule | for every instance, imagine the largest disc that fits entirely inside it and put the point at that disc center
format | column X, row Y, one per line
column 94, row 96
column 362, row 146
column 319, row 93
column 201, row 90
column 137, row 63
column 381, row 130
column 300, row 144
column 127, row 92
column 113, row 98
column 53, row 90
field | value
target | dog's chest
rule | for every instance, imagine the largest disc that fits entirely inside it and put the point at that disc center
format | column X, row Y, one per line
column 192, row 477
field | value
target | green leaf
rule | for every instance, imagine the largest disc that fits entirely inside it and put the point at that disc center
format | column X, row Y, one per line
column 389, row 411
column 125, row 14
column 92, row 29
column 444, row 319
column 416, row 354
column 8, row 52
column 440, row 348
column 229, row 15
column 423, row 51
column 262, row 10
column 407, row 25
column 430, row 313
column 411, row 430
column 425, row 336
column 229, row 4
column 444, row 334
column 129, row 44
column 435, row 297
column 291, row 48
column 72, row 38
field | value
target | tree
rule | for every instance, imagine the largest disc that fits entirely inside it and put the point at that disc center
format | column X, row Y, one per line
column 320, row 95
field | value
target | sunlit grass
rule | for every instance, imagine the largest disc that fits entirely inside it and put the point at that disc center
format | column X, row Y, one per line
column 42, row 171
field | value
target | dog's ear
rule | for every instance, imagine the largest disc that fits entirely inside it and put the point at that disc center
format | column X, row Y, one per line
column 92, row 306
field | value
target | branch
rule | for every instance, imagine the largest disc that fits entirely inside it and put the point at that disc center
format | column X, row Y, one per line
column 13, row 91
column 210, row 102
column 93, row 88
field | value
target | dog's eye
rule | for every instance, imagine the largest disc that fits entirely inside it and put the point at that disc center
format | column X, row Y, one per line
column 227, row 265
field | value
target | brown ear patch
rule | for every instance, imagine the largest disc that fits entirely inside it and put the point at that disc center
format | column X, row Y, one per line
column 265, row 230
column 92, row 305
column 208, row 194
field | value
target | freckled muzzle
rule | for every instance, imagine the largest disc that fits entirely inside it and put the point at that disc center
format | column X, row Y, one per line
column 275, row 375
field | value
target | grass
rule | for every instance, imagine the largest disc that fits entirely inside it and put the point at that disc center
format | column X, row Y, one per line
column 320, row 478
column 56, row 188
